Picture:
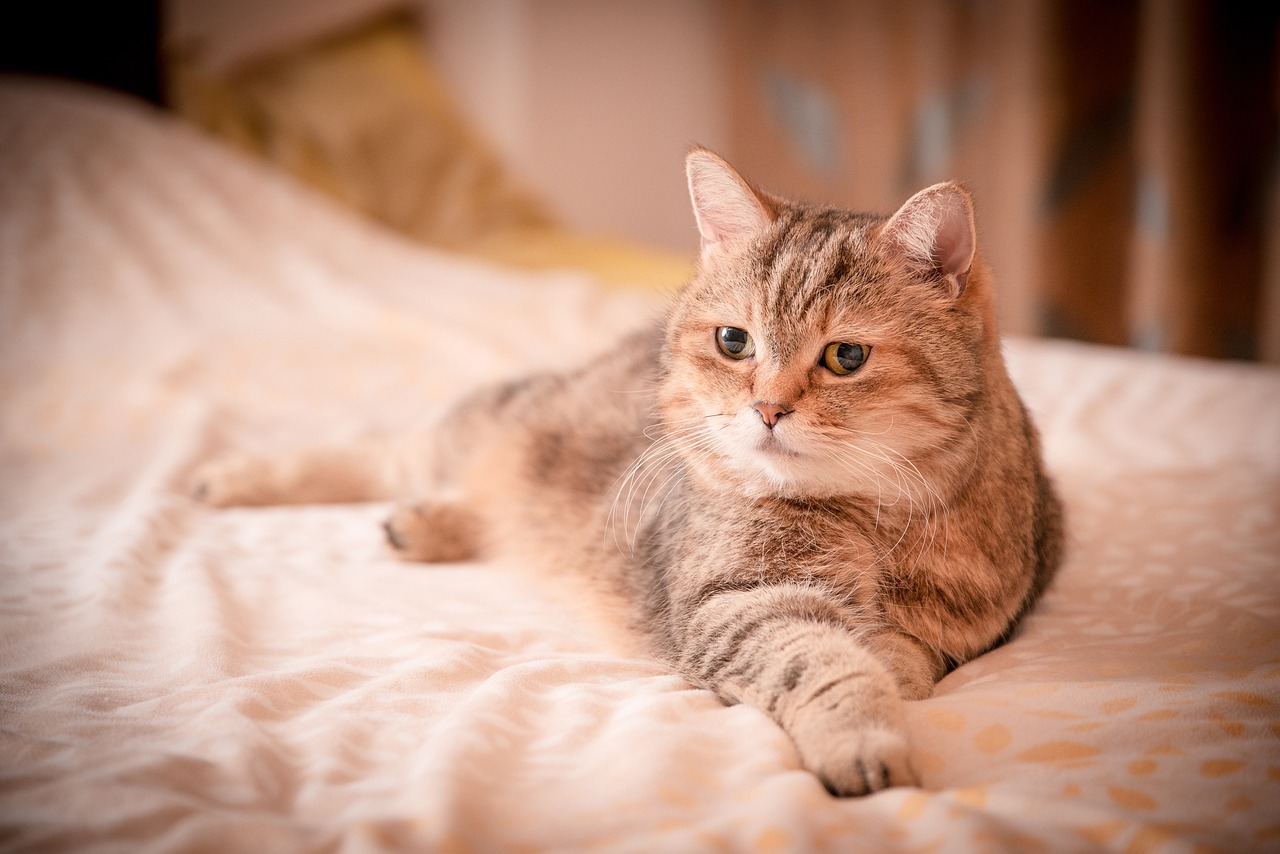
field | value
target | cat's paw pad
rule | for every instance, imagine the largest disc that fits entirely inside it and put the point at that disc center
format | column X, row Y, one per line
column 436, row 532
column 865, row 763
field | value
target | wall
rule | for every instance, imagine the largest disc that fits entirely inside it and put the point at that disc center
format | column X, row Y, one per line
column 1122, row 155
column 593, row 103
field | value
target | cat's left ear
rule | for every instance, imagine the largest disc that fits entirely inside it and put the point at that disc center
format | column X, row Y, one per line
column 934, row 232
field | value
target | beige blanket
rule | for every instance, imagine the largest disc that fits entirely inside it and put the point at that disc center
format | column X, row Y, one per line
column 178, row 678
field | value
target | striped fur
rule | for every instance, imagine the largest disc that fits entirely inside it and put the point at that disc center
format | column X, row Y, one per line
column 894, row 523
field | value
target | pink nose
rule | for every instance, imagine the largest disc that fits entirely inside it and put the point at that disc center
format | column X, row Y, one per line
column 770, row 413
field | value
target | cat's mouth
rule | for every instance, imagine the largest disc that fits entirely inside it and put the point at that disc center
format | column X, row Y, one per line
column 774, row 446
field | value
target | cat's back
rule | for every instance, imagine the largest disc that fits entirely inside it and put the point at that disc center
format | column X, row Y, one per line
column 612, row 392
column 547, row 454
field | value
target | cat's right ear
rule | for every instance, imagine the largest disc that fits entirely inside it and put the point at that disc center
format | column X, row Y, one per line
column 934, row 232
column 727, row 208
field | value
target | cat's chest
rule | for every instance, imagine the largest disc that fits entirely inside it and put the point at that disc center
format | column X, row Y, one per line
column 786, row 542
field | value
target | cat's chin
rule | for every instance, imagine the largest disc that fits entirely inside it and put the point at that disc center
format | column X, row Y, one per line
column 790, row 475
column 771, row 447
column 775, row 471
column 765, row 464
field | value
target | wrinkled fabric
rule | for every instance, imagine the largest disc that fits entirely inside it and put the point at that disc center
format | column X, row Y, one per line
column 174, row 677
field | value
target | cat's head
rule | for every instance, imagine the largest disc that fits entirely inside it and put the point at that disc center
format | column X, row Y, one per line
column 819, row 352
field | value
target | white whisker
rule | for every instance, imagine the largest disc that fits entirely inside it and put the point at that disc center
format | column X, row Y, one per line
column 649, row 476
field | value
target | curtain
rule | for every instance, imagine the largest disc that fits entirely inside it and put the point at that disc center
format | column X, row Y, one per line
column 1122, row 155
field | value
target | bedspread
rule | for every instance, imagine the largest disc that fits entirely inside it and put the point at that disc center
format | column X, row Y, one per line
column 174, row 677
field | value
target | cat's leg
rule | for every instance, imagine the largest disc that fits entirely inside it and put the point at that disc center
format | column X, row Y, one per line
column 362, row 471
column 436, row 531
column 914, row 664
column 788, row 650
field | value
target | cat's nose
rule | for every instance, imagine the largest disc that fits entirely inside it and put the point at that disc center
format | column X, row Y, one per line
column 770, row 413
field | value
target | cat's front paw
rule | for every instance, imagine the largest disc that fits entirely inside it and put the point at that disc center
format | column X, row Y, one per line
column 865, row 762
column 436, row 532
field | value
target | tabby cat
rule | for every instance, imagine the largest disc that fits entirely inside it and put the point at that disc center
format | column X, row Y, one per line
column 813, row 488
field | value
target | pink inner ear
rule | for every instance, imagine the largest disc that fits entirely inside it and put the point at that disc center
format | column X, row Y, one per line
column 726, row 207
column 953, row 248
column 935, row 230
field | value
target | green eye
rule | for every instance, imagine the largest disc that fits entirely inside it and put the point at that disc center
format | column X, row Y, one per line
column 734, row 342
column 843, row 359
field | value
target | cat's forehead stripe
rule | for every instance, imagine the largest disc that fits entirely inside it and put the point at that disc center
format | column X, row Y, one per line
column 810, row 253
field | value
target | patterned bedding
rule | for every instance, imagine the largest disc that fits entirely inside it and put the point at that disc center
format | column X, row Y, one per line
column 177, row 678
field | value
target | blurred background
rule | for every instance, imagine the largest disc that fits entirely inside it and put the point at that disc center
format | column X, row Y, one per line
column 1124, row 155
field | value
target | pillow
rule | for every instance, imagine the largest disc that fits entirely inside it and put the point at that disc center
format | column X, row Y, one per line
column 363, row 116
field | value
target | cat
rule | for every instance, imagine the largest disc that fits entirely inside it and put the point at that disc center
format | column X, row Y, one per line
column 812, row 488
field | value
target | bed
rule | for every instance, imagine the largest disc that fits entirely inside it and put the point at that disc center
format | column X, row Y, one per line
column 178, row 678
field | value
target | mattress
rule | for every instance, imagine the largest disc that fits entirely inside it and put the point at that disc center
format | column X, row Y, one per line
column 179, row 678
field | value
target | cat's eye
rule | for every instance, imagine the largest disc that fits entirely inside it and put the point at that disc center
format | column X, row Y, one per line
column 843, row 358
column 734, row 342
